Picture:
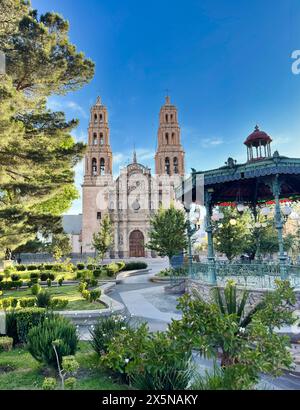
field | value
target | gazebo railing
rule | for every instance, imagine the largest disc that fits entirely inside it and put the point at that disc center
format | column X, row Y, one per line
column 254, row 275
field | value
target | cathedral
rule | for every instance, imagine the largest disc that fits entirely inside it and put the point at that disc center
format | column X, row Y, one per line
column 136, row 194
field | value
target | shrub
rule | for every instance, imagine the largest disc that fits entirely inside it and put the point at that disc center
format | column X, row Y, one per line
column 19, row 322
column 11, row 285
column 82, row 286
column 84, row 274
column 57, row 267
column 121, row 265
column 27, row 302
column 80, row 266
column 60, row 281
column 49, row 383
column 15, row 277
column 112, row 269
column 105, row 330
column 41, row 267
column 59, row 303
column 1, row 278
column 43, row 299
column 126, row 349
column 20, row 268
column 49, row 266
column 56, row 329
column 32, row 267
column 34, row 277
column 5, row 303
column 86, row 294
column 92, row 283
column 135, row 266
column 91, row 267
column 70, row 383
column 44, row 276
column 97, row 273
column 94, row 295
column 9, row 270
column 6, row 344
column 49, row 283
column 14, row 303
column 36, row 288
column 172, row 372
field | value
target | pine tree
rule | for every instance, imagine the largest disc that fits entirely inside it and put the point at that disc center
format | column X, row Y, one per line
column 37, row 151
column 103, row 239
column 167, row 234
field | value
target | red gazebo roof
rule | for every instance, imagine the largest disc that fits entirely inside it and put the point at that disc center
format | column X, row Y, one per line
column 258, row 137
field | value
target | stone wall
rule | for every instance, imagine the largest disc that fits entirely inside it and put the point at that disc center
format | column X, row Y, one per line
column 255, row 295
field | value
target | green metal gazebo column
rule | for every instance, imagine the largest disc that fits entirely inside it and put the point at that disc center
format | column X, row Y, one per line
column 210, row 243
column 279, row 227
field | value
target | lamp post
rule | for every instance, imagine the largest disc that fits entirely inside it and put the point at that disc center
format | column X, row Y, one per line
column 191, row 230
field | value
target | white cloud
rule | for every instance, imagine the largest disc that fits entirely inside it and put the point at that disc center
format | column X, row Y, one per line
column 211, row 142
column 55, row 104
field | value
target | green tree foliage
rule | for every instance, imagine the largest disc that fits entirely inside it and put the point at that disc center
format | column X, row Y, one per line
column 37, row 151
column 230, row 239
column 103, row 239
column 167, row 234
column 245, row 351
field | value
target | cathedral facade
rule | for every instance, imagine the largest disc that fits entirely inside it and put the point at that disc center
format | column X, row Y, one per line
column 135, row 195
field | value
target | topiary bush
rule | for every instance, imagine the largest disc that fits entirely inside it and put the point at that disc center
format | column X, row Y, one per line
column 20, row 268
column 43, row 299
column 9, row 285
column 36, row 288
column 97, row 273
column 32, row 267
column 80, row 266
column 135, row 266
column 112, row 269
column 95, row 295
column 27, row 302
column 6, row 344
column 19, row 322
column 58, row 303
column 105, row 330
column 49, row 267
column 55, row 329
column 49, row 383
column 15, row 277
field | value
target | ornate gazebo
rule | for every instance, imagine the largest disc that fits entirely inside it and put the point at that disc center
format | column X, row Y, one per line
column 263, row 178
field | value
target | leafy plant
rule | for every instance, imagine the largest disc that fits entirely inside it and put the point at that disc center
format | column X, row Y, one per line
column 42, row 336
column 6, row 344
column 19, row 322
column 94, row 295
column 36, row 289
column 105, row 330
column 43, row 299
column 49, row 383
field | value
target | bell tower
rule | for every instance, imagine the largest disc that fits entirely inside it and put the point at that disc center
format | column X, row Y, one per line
column 98, row 158
column 169, row 157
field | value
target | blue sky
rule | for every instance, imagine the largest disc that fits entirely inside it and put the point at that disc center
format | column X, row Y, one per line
column 227, row 65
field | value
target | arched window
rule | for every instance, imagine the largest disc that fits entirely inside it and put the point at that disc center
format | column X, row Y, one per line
column 94, row 167
column 167, row 166
column 94, row 139
column 173, row 136
column 167, row 138
column 171, row 117
column 95, row 118
column 102, row 166
column 101, row 117
column 167, row 118
column 101, row 139
column 175, row 162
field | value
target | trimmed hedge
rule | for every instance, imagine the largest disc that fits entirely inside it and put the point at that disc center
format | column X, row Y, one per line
column 6, row 344
column 80, row 266
column 32, row 267
column 20, row 268
column 135, row 266
column 19, row 322
column 9, row 285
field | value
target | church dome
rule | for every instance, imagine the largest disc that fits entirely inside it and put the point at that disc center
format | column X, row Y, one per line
column 257, row 138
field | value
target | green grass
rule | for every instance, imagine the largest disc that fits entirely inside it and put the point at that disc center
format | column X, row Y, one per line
column 76, row 302
column 28, row 374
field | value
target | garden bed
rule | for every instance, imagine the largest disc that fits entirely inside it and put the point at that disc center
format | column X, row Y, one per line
column 69, row 292
column 20, row 371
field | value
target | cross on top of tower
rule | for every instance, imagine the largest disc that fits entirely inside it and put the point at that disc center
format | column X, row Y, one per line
column 98, row 102
column 167, row 96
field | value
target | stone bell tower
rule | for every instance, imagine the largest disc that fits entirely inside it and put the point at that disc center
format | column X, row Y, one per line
column 98, row 158
column 98, row 178
column 169, row 157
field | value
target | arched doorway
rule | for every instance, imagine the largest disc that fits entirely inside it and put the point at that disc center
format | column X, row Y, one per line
column 136, row 244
